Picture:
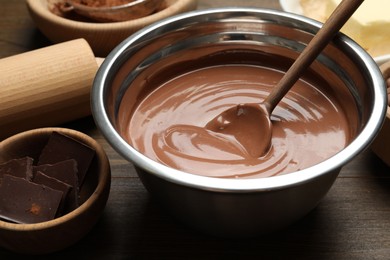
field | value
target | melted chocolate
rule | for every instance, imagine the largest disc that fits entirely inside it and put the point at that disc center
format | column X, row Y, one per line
column 168, row 124
column 243, row 121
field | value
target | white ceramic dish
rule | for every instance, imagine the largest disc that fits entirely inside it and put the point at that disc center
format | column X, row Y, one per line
column 294, row 6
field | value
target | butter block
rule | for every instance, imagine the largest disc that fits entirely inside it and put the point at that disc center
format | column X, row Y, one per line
column 369, row 26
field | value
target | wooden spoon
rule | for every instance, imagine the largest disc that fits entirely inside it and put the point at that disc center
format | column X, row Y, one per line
column 250, row 123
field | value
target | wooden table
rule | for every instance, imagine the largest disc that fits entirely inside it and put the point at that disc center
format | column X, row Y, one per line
column 351, row 222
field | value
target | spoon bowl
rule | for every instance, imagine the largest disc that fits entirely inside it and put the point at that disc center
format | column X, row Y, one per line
column 253, row 120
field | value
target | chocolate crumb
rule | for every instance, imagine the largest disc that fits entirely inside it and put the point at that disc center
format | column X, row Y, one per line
column 35, row 209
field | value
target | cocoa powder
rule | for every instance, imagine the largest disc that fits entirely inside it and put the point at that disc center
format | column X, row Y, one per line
column 63, row 9
column 102, row 3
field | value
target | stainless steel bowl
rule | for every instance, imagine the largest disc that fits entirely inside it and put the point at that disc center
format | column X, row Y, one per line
column 239, row 207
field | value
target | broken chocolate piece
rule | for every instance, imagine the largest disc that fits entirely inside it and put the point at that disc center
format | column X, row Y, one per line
column 65, row 171
column 41, row 178
column 21, row 167
column 61, row 147
column 22, row 201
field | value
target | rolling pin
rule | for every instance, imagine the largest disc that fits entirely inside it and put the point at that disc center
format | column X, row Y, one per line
column 46, row 87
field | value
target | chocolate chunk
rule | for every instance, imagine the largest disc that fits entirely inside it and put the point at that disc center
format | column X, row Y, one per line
column 61, row 147
column 65, row 171
column 21, row 167
column 41, row 178
column 22, row 201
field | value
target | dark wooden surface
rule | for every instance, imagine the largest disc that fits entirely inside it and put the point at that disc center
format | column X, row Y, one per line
column 351, row 222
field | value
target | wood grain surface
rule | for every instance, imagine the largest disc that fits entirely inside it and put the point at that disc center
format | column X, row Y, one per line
column 351, row 222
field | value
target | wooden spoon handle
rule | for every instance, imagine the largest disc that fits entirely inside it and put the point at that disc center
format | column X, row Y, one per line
column 46, row 87
column 337, row 19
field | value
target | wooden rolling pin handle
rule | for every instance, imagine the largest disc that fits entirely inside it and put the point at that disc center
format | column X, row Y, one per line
column 46, row 87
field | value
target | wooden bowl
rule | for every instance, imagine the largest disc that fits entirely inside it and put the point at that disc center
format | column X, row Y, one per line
column 102, row 37
column 61, row 232
column 381, row 144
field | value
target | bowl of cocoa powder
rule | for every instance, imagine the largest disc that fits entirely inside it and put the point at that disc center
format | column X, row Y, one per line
column 104, row 26
column 155, row 93
column 111, row 10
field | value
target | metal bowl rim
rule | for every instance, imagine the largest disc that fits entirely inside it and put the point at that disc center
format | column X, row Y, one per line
column 360, row 143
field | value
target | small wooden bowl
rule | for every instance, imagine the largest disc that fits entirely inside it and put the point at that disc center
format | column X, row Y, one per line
column 381, row 144
column 61, row 232
column 102, row 37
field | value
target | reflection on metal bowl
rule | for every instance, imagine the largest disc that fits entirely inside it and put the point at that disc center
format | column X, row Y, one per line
column 239, row 207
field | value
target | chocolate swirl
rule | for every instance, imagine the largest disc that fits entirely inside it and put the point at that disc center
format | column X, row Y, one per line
column 168, row 125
